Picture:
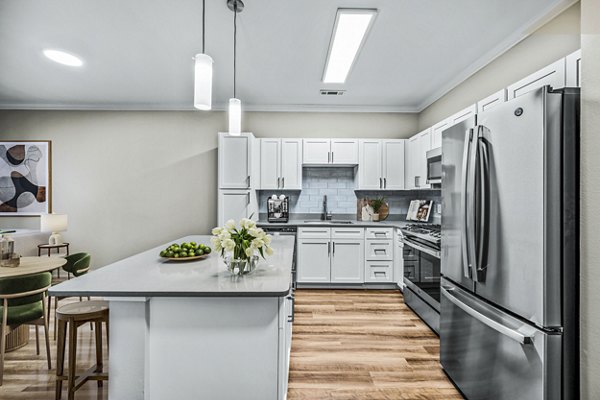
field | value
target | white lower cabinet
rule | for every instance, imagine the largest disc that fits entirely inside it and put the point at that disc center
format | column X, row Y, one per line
column 347, row 260
column 377, row 250
column 314, row 260
column 345, row 255
column 379, row 271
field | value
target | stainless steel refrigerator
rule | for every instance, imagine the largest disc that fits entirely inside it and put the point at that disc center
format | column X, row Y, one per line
column 510, row 249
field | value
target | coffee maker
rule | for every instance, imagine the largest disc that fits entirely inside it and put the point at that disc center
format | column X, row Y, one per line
column 278, row 208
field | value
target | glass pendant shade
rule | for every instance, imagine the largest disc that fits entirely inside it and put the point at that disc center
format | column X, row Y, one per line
column 203, row 71
column 235, row 116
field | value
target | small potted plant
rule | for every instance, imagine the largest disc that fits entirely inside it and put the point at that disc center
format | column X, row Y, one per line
column 376, row 204
column 238, row 245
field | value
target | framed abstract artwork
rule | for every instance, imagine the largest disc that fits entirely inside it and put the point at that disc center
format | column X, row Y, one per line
column 25, row 177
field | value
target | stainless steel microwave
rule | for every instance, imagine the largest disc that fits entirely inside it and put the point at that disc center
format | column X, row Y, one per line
column 434, row 166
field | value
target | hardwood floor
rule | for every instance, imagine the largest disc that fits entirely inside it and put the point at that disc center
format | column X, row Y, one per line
column 363, row 344
column 346, row 345
column 26, row 374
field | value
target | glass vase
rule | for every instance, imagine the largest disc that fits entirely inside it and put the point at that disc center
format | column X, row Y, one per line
column 237, row 266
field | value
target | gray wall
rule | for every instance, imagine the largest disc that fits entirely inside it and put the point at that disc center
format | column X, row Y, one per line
column 132, row 180
column 590, row 192
column 556, row 39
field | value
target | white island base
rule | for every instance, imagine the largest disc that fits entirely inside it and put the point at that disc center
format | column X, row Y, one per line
column 199, row 348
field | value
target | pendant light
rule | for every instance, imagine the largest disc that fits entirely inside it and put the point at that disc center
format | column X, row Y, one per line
column 203, row 71
column 235, row 105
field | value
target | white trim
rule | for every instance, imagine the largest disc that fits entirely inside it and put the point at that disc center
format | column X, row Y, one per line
column 511, row 41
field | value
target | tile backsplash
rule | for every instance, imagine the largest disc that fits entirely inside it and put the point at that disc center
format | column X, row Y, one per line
column 338, row 184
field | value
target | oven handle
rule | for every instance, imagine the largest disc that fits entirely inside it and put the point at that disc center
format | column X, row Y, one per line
column 424, row 249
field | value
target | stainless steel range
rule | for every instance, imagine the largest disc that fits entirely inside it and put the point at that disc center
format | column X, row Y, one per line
column 422, row 276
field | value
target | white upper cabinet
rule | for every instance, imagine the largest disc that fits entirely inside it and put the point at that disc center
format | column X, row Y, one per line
column 370, row 176
column 381, row 164
column 330, row 151
column 344, row 151
column 419, row 159
column 462, row 115
column 553, row 75
column 270, row 156
column 491, row 101
column 281, row 164
column 236, row 204
column 416, row 160
column 393, row 164
column 316, row 151
column 291, row 164
column 234, row 161
column 573, row 67
column 436, row 132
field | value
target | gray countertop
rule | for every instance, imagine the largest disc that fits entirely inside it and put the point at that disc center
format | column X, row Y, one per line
column 147, row 275
column 301, row 223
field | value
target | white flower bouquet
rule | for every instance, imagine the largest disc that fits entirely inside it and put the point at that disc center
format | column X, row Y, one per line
column 242, row 242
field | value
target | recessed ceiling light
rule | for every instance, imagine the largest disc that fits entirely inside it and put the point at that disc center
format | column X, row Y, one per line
column 62, row 57
column 349, row 32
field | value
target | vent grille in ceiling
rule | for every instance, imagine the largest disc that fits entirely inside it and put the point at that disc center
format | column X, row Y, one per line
column 325, row 92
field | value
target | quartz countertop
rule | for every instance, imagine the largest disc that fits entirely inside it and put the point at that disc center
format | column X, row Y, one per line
column 148, row 275
column 365, row 224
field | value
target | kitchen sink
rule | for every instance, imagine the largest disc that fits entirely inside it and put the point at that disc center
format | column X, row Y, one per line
column 331, row 221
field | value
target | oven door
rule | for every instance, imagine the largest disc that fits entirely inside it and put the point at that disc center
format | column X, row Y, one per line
column 422, row 271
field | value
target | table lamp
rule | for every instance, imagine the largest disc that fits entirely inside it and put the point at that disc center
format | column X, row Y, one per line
column 54, row 223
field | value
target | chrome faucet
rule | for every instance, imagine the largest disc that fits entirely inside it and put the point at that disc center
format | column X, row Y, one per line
column 326, row 215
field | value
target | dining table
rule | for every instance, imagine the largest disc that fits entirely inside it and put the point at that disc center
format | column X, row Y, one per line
column 19, row 337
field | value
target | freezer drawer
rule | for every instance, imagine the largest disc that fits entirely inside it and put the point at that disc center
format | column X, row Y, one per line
column 493, row 356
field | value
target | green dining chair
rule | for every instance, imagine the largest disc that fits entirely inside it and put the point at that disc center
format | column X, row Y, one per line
column 77, row 264
column 24, row 302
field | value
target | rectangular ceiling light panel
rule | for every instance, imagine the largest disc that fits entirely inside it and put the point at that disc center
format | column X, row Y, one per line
column 349, row 32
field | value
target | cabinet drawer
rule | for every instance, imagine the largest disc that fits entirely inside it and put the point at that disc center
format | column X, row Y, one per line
column 379, row 271
column 347, row 233
column 379, row 250
column 380, row 233
column 314, row 232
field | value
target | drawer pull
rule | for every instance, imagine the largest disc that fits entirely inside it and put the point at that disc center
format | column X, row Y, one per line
column 379, row 274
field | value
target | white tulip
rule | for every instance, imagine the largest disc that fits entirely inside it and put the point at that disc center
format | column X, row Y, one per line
column 216, row 231
column 257, row 243
column 267, row 239
column 228, row 245
column 230, row 225
column 269, row 251
column 247, row 223
column 224, row 235
column 249, row 251
column 253, row 232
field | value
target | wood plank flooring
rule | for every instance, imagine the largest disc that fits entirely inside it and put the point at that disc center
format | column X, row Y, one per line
column 363, row 344
column 346, row 345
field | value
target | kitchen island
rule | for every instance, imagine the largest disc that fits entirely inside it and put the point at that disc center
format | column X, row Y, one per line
column 190, row 330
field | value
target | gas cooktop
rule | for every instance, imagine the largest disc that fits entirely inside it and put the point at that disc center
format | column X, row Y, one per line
column 430, row 232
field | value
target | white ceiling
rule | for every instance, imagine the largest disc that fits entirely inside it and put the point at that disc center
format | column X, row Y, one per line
column 138, row 53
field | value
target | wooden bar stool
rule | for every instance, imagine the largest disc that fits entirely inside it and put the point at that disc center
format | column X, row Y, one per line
column 72, row 316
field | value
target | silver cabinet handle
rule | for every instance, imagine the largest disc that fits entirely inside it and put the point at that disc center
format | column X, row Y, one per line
column 282, row 182
column 334, row 248
column 332, row 157
column 497, row 326
column 385, row 183
column 417, row 179
column 329, row 249
column 328, row 157
column 278, row 183
column 380, row 183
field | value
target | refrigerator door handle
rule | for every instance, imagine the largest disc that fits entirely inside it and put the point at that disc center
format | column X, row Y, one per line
column 498, row 327
column 463, row 205
column 483, row 201
column 471, row 211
